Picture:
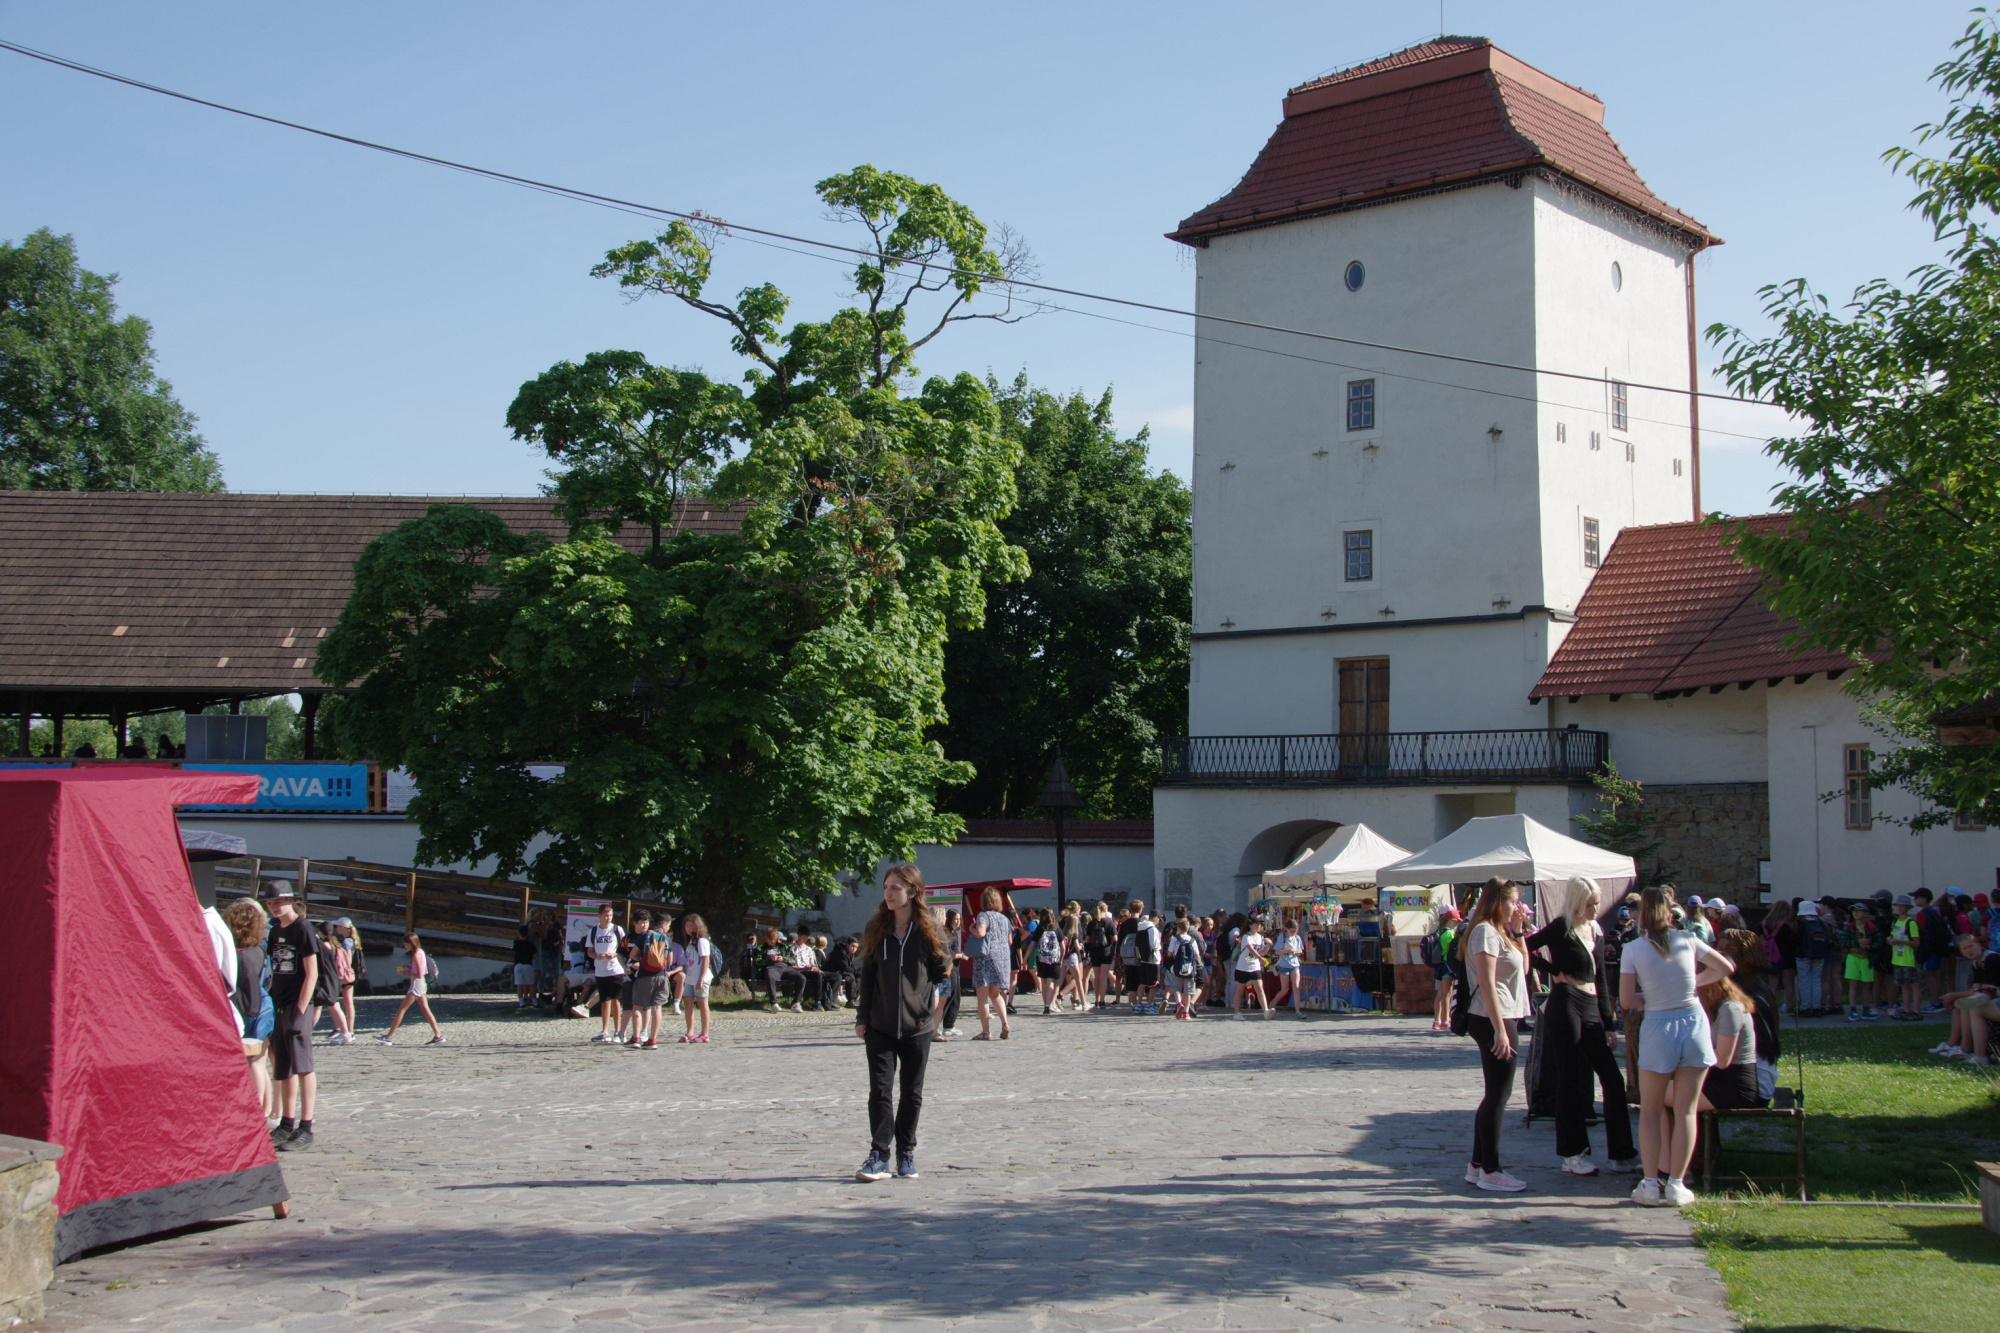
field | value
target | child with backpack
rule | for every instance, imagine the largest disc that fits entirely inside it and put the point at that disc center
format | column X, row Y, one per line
column 1815, row 945
column 421, row 971
column 698, row 969
column 1858, row 942
column 1183, row 968
column 1048, row 949
column 654, row 966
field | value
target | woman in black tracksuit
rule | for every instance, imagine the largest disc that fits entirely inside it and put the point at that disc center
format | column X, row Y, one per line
column 903, row 963
column 1574, row 1021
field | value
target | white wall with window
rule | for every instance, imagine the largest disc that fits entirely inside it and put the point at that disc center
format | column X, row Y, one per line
column 1817, row 740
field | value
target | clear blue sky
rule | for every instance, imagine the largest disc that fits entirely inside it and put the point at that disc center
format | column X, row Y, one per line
column 341, row 321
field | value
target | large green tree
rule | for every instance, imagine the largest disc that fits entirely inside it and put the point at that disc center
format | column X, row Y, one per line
column 742, row 715
column 1090, row 651
column 1892, row 551
column 81, row 406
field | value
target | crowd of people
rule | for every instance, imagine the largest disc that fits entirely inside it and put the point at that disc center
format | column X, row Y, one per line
column 1688, row 993
column 1694, row 997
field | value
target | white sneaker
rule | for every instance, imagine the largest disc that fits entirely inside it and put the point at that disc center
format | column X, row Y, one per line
column 384, row 1040
column 1953, row 1052
column 1676, row 1194
column 677, row 1006
column 1647, row 1193
column 1942, row 1048
column 1472, row 1174
column 1501, row 1183
column 798, row 1008
column 1580, row 1165
column 1238, row 1016
column 601, row 1038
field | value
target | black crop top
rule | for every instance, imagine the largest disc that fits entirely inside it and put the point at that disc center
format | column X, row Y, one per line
column 1567, row 954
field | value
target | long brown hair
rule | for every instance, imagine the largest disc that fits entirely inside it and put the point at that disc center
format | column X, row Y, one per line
column 1656, row 915
column 883, row 924
column 1493, row 909
column 1717, row 993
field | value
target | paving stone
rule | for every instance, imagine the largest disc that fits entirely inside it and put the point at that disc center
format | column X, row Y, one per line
column 1093, row 1174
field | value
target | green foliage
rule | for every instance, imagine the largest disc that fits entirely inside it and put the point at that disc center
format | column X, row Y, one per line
column 630, row 439
column 284, row 736
column 1894, row 540
column 81, row 407
column 742, row 717
column 1091, row 649
column 1622, row 823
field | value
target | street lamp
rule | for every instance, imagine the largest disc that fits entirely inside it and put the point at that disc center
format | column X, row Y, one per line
column 1058, row 794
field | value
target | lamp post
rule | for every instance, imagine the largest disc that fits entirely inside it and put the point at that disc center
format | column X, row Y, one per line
column 1058, row 794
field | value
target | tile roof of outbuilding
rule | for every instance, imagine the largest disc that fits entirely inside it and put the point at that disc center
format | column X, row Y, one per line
column 1452, row 111
column 223, row 593
column 1671, row 610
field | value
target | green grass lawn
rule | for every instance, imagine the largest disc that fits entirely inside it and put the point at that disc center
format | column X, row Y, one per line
column 1883, row 1119
column 1801, row 1270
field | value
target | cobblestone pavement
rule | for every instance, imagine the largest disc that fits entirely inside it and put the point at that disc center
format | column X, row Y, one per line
column 1092, row 1173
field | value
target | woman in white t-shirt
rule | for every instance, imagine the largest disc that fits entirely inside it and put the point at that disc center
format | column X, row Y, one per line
column 1251, row 948
column 1496, row 967
column 1658, row 974
column 697, row 959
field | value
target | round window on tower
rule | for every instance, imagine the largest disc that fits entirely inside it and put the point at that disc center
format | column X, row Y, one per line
column 1355, row 276
column 1617, row 277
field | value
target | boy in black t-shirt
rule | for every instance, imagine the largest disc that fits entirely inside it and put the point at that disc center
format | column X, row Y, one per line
column 294, row 954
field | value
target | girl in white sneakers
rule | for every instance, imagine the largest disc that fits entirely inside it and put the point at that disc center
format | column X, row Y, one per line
column 1659, row 973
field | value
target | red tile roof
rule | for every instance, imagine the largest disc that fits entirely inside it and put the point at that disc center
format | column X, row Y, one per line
column 225, row 594
column 1673, row 609
column 1455, row 110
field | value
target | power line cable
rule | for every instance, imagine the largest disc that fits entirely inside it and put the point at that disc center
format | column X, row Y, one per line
column 634, row 206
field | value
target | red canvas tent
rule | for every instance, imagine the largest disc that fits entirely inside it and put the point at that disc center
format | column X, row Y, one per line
column 118, row 1044
column 970, row 895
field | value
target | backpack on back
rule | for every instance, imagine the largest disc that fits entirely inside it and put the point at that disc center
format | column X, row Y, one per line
column 1184, row 956
column 1430, row 950
column 1933, row 938
column 1818, row 939
column 654, row 959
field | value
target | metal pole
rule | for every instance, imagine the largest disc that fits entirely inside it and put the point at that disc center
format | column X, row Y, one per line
column 1062, row 879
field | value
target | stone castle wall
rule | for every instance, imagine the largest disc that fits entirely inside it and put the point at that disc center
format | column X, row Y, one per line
column 1715, row 833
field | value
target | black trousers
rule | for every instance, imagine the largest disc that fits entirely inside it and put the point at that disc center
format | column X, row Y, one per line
column 1499, row 1076
column 886, row 1119
column 950, row 1016
column 1574, row 1029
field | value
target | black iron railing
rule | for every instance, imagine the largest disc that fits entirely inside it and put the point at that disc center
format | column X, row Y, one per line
column 1384, row 759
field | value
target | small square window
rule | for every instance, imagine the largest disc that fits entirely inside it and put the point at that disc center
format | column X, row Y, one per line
column 1358, row 555
column 1593, row 543
column 1860, row 801
column 1361, row 405
column 1562, row 433
column 1620, row 405
column 1968, row 823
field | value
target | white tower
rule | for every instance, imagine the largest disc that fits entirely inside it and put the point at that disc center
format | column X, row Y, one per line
column 1392, row 532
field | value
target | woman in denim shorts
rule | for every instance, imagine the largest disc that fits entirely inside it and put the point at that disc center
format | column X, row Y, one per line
column 1658, row 974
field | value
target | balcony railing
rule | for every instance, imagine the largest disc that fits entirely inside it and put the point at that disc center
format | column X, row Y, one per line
column 1384, row 759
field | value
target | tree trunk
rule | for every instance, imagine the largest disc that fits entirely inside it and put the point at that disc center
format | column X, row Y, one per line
column 715, row 893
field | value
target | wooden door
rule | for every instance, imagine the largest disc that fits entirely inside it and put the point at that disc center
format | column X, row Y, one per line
column 1364, row 713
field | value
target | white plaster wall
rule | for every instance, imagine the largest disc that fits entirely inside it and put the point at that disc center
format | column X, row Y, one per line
column 1278, row 477
column 1812, row 852
column 1636, row 332
column 1441, row 678
column 1708, row 738
column 1215, row 830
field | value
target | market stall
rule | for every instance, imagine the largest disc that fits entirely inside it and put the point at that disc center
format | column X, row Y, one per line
column 1535, row 856
column 1540, row 860
column 1330, row 890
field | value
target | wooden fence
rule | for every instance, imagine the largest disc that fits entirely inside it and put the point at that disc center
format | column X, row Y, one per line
column 468, row 915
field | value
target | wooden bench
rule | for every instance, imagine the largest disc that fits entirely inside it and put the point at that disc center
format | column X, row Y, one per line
column 1787, row 1104
column 1989, row 1195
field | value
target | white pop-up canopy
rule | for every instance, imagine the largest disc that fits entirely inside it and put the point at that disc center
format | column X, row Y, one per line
column 1351, row 855
column 1514, row 847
